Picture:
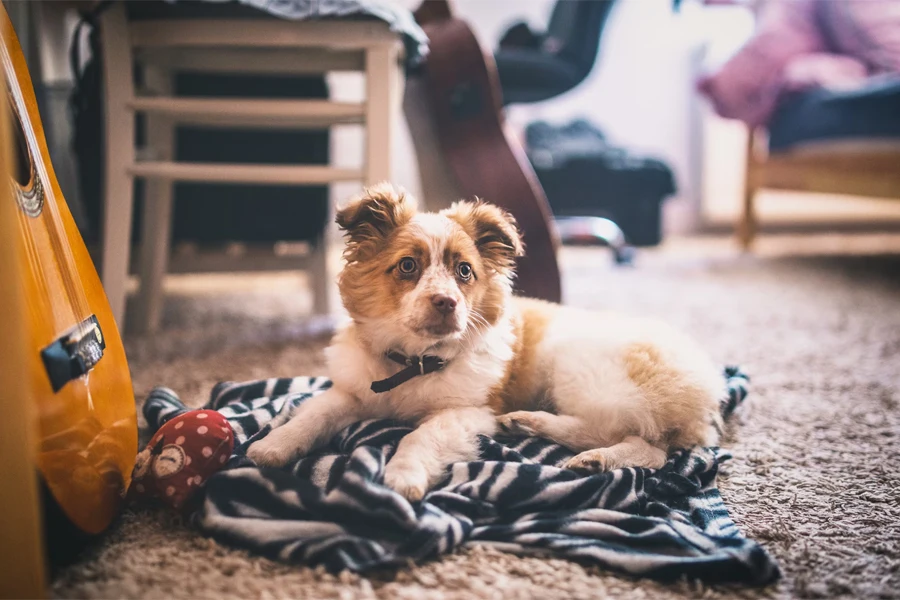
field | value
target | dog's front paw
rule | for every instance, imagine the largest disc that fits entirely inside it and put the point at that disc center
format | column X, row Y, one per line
column 590, row 462
column 408, row 480
column 520, row 422
column 275, row 450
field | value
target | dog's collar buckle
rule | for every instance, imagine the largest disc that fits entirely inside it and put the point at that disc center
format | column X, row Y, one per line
column 416, row 366
column 419, row 362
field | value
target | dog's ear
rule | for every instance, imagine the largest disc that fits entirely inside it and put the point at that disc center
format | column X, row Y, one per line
column 494, row 231
column 370, row 218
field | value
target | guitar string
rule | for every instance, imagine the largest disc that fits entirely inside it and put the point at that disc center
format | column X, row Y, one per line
column 69, row 270
column 72, row 273
column 53, row 230
column 33, row 258
column 39, row 269
column 59, row 243
column 61, row 248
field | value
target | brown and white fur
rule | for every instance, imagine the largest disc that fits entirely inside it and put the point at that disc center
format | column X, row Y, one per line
column 617, row 390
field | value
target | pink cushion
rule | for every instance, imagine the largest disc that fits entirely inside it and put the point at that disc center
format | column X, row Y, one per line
column 868, row 30
column 801, row 44
column 822, row 69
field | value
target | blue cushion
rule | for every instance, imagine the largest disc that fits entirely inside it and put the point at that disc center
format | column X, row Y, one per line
column 869, row 113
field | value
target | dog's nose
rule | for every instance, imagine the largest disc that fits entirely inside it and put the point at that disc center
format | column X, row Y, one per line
column 444, row 304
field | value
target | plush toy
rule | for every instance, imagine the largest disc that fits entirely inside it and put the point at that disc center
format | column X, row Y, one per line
column 180, row 457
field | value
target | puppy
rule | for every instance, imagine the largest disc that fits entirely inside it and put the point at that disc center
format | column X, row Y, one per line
column 437, row 339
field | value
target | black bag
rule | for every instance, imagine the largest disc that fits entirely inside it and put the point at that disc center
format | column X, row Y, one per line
column 205, row 212
column 583, row 175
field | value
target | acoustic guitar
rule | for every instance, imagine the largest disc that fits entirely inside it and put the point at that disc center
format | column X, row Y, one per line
column 465, row 149
column 75, row 364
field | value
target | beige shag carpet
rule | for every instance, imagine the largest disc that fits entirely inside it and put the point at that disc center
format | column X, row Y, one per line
column 816, row 473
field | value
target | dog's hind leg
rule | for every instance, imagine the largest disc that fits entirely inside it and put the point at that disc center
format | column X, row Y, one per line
column 565, row 430
column 630, row 452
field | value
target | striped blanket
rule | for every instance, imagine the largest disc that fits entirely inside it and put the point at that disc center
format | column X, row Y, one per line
column 331, row 508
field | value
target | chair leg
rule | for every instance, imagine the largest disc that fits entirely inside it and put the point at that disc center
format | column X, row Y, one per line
column 118, row 197
column 747, row 225
column 118, row 210
column 382, row 106
column 156, row 231
column 320, row 279
column 156, row 223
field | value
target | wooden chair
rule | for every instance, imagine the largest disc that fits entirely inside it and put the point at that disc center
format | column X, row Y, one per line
column 232, row 46
column 853, row 168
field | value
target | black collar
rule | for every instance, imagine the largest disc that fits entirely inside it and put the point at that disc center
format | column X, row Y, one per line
column 415, row 366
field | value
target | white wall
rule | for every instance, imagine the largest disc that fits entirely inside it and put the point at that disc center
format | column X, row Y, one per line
column 637, row 91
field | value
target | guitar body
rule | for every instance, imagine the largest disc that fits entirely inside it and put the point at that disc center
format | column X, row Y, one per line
column 455, row 114
column 78, row 376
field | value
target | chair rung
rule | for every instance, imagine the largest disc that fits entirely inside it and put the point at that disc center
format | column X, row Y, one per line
column 260, row 33
column 284, row 61
column 251, row 112
column 221, row 262
column 244, row 173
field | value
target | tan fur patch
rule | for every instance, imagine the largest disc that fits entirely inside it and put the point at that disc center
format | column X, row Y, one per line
column 522, row 387
column 373, row 287
column 376, row 226
column 493, row 230
column 672, row 397
column 643, row 363
column 369, row 219
column 367, row 291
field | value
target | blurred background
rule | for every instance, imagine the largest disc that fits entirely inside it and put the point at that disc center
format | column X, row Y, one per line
column 640, row 113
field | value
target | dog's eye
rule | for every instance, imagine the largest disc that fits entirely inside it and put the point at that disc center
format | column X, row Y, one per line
column 464, row 270
column 407, row 266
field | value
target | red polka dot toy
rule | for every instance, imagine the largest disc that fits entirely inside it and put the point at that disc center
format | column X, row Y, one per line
column 180, row 457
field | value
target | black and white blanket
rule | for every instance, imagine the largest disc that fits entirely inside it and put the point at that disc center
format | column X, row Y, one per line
column 332, row 509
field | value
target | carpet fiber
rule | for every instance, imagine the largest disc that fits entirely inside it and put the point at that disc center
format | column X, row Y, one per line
column 816, row 473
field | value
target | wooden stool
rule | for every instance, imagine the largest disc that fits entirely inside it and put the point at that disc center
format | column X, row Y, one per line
column 263, row 46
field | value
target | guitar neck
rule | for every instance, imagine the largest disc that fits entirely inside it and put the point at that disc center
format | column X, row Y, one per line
column 432, row 11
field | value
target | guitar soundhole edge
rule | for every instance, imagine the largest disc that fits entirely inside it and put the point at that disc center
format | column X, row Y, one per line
column 27, row 186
